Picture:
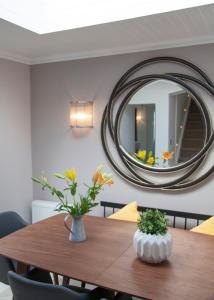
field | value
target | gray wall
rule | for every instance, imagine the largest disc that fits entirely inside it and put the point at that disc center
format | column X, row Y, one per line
column 15, row 141
column 56, row 146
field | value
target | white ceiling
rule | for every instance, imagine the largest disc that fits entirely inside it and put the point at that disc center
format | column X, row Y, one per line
column 47, row 16
column 190, row 26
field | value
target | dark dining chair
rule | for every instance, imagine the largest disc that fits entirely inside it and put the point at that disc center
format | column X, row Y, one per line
column 10, row 222
column 24, row 288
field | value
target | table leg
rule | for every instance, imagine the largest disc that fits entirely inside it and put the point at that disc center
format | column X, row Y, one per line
column 65, row 280
column 56, row 279
column 22, row 268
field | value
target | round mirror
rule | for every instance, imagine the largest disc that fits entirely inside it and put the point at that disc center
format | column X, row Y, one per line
column 162, row 126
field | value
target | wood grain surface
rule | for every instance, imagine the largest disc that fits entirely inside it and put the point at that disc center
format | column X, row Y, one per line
column 108, row 259
column 187, row 275
column 46, row 245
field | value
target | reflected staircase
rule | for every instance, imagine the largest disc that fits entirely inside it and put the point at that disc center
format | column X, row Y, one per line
column 194, row 133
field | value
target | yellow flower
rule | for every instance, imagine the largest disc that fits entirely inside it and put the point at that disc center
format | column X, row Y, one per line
column 95, row 177
column 151, row 160
column 98, row 178
column 167, row 155
column 71, row 174
column 109, row 181
column 101, row 178
column 141, row 154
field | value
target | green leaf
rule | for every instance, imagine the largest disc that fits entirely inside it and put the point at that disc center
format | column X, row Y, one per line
column 59, row 194
column 152, row 221
column 58, row 175
column 73, row 188
column 35, row 179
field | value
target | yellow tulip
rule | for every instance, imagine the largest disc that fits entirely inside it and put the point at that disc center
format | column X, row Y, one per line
column 141, row 154
column 151, row 160
column 71, row 174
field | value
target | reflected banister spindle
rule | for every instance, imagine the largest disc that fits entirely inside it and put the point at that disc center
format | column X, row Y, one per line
column 185, row 223
column 174, row 220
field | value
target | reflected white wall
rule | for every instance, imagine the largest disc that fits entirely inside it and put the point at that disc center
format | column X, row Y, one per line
column 158, row 93
column 127, row 129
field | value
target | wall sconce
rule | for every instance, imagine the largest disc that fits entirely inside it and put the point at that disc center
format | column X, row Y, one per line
column 81, row 114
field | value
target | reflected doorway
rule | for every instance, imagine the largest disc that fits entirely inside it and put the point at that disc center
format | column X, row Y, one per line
column 145, row 128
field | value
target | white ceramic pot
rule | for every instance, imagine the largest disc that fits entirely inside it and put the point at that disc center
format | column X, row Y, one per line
column 152, row 248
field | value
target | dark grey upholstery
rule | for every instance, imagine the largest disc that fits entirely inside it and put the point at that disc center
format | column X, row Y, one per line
column 10, row 222
column 5, row 266
column 26, row 289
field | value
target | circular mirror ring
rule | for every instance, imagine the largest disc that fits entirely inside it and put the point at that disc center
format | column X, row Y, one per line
column 133, row 172
column 201, row 105
column 119, row 89
column 140, row 66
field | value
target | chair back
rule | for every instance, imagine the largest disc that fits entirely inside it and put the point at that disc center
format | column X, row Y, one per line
column 26, row 289
column 9, row 222
column 6, row 265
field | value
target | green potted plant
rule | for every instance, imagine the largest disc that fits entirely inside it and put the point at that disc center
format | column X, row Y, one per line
column 75, row 207
column 152, row 241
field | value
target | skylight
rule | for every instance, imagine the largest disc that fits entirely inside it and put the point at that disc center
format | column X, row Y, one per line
column 46, row 16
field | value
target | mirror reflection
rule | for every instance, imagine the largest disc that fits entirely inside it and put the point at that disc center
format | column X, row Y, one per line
column 162, row 125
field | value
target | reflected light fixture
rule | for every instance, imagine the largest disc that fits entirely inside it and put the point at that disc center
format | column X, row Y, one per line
column 81, row 114
column 140, row 116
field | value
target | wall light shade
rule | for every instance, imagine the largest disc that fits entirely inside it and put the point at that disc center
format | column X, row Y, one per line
column 81, row 114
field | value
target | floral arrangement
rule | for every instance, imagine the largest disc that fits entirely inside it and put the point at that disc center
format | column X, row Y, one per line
column 85, row 202
column 150, row 159
column 152, row 221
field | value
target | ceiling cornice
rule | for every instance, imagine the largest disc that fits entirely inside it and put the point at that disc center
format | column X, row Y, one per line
column 125, row 50
column 176, row 29
column 108, row 52
column 16, row 58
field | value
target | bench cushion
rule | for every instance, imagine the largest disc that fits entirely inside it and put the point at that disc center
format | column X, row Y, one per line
column 207, row 227
column 127, row 213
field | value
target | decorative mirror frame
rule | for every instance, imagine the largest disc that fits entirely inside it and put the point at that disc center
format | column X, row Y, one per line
column 125, row 88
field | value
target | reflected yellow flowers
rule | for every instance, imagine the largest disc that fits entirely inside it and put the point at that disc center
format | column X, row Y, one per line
column 141, row 154
column 150, row 161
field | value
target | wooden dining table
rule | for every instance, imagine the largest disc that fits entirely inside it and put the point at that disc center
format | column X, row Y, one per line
column 107, row 258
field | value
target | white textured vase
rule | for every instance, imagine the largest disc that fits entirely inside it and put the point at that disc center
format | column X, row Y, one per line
column 152, row 248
